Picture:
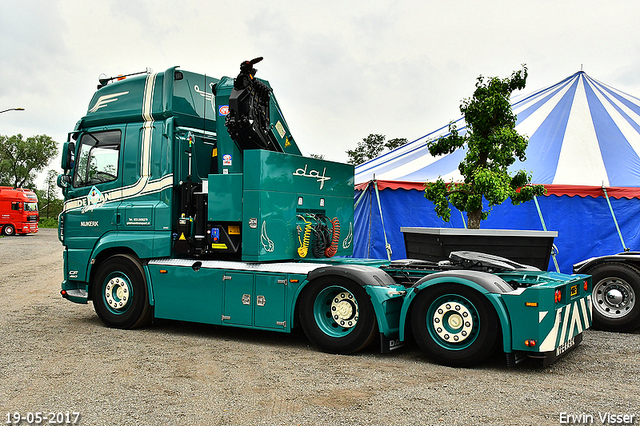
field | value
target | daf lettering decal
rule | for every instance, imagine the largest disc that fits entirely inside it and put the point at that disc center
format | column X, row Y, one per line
column 103, row 101
column 314, row 174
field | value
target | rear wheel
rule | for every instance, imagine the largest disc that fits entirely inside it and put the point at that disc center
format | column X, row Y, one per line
column 119, row 293
column 9, row 230
column 615, row 288
column 454, row 325
column 337, row 316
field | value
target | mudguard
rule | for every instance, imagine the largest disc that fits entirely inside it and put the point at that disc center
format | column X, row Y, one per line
column 485, row 283
column 631, row 257
column 361, row 274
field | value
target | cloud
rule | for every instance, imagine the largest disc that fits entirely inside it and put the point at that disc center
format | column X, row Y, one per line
column 341, row 70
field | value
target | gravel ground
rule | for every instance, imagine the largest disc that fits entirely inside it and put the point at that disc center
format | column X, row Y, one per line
column 57, row 357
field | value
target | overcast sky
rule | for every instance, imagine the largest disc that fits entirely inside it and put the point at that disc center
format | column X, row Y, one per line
column 339, row 69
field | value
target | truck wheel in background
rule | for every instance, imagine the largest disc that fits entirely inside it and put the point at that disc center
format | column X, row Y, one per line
column 119, row 292
column 615, row 288
column 337, row 316
column 8, row 230
column 454, row 325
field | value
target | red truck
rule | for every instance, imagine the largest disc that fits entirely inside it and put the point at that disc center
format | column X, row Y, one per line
column 18, row 211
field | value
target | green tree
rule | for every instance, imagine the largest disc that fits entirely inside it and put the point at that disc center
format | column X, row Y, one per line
column 50, row 205
column 372, row 146
column 21, row 160
column 493, row 145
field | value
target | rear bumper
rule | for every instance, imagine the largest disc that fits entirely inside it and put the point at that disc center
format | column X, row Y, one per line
column 549, row 357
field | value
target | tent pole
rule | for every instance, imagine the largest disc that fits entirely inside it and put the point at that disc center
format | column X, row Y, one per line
column 360, row 197
column 384, row 232
column 544, row 227
column 613, row 215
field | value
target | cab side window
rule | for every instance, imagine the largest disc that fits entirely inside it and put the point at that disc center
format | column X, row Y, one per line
column 97, row 159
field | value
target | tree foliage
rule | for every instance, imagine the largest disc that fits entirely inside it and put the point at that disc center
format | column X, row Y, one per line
column 49, row 204
column 493, row 145
column 371, row 147
column 21, row 159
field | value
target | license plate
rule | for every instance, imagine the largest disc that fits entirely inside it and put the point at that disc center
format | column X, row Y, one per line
column 574, row 290
column 565, row 346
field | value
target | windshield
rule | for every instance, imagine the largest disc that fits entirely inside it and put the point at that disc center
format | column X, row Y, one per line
column 31, row 207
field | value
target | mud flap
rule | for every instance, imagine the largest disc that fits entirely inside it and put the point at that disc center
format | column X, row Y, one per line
column 388, row 345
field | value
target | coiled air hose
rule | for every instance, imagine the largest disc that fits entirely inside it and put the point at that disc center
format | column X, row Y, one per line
column 333, row 248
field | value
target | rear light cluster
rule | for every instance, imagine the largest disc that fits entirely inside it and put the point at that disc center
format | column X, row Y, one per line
column 558, row 296
column 585, row 285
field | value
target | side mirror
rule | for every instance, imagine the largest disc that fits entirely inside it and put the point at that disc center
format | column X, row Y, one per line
column 68, row 152
column 64, row 181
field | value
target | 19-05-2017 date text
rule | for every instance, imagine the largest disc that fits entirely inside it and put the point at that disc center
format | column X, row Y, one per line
column 43, row 418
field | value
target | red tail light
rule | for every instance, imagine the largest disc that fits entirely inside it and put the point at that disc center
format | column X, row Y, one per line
column 558, row 295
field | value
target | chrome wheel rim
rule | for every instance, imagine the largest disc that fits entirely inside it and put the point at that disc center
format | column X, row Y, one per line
column 614, row 297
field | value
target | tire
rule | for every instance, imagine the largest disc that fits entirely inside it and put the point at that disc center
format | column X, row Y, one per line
column 9, row 230
column 119, row 292
column 615, row 289
column 454, row 325
column 337, row 316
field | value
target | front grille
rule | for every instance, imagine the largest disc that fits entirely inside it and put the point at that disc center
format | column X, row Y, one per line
column 32, row 218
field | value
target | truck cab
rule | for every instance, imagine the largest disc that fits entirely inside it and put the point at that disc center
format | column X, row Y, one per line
column 18, row 211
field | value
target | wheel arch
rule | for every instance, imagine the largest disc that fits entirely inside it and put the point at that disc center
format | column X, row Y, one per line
column 630, row 258
column 99, row 257
column 361, row 274
column 487, row 285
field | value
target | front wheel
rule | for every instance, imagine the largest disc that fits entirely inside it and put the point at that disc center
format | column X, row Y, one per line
column 337, row 316
column 454, row 325
column 615, row 286
column 119, row 292
column 9, row 230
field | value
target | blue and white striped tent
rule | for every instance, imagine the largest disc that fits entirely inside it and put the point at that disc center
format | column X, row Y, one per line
column 581, row 132
column 584, row 145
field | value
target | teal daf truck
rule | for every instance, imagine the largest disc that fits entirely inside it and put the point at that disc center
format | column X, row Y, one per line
column 187, row 198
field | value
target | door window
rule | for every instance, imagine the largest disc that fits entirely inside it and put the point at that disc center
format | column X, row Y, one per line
column 97, row 159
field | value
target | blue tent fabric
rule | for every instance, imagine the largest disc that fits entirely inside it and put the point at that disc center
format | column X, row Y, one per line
column 584, row 224
column 583, row 134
